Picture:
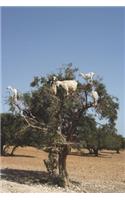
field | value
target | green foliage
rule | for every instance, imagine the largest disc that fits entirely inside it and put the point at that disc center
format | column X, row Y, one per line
column 10, row 125
column 15, row 133
column 113, row 142
column 123, row 142
column 94, row 138
column 89, row 135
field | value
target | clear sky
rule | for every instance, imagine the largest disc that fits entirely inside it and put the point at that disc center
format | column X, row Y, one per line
column 36, row 41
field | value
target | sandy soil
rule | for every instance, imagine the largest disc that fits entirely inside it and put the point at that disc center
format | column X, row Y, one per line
column 25, row 172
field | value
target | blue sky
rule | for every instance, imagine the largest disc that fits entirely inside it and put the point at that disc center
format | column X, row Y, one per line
column 36, row 41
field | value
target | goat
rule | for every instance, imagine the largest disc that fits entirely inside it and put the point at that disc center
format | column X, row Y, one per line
column 88, row 76
column 14, row 93
column 67, row 85
column 95, row 97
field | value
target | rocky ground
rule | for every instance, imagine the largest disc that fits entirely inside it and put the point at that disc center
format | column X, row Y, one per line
column 88, row 187
column 25, row 172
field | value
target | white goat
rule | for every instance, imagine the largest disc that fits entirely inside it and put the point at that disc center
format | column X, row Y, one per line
column 88, row 76
column 14, row 93
column 67, row 85
column 95, row 97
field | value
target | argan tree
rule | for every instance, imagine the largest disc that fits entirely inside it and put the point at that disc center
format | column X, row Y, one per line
column 60, row 117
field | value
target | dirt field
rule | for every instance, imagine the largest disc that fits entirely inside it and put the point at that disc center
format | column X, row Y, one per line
column 25, row 172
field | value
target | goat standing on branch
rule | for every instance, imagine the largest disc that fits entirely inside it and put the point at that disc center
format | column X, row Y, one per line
column 14, row 94
column 67, row 85
column 88, row 77
column 24, row 112
column 95, row 97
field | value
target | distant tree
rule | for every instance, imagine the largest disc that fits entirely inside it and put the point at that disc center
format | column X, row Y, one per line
column 15, row 133
column 123, row 142
column 113, row 142
column 90, row 136
column 10, row 124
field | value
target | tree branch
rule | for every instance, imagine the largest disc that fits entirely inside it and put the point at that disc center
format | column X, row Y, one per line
column 33, row 126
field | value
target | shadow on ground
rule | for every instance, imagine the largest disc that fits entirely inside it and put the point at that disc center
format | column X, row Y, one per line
column 82, row 154
column 16, row 155
column 25, row 176
column 31, row 177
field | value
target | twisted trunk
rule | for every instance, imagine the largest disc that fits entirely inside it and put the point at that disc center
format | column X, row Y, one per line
column 64, row 150
column 52, row 162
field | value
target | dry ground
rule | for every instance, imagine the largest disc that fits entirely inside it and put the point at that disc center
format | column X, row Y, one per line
column 25, row 172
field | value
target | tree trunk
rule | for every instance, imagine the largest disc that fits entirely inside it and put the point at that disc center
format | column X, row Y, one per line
column 52, row 162
column 90, row 151
column 13, row 150
column 64, row 150
column 117, row 151
column 96, row 151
